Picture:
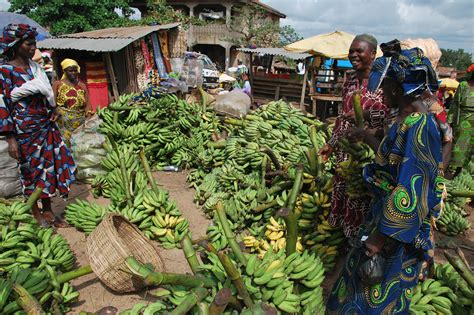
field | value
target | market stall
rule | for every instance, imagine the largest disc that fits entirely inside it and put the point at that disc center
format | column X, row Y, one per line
column 116, row 60
column 274, row 80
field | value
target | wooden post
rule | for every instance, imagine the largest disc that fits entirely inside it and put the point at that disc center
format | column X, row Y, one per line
column 113, row 80
column 303, row 89
column 251, row 77
column 270, row 64
column 277, row 93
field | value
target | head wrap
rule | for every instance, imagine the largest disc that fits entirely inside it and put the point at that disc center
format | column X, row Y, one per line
column 366, row 38
column 470, row 72
column 66, row 63
column 408, row 67
column 14, row 33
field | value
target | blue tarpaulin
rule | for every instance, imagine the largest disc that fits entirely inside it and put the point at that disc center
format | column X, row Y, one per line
column 15, row 18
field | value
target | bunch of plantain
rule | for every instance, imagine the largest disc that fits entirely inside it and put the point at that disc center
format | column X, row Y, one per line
column 451, row 222
column 85, row 215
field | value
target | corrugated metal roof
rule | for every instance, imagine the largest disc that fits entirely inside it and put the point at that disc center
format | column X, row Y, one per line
column 275, row 52
column 104, row 40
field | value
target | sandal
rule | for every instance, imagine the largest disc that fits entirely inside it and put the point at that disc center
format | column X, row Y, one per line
column 60, row 223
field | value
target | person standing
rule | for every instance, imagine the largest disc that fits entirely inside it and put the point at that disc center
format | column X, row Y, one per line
column 72, row 99
column 28, row 119
column 461, row 116
column 407, row 182
column 346, row 211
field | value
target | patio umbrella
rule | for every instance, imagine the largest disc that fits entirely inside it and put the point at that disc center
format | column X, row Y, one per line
column 333, row 45
column 448, row 83
column 15, row 18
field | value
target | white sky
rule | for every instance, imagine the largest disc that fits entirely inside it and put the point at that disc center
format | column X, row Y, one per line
column 449, row 22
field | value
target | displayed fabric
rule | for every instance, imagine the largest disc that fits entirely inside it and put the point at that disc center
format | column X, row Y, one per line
column 345, row 211
column 97, row 84
column 71, row 101
column 38, row 85
column 407, row 185
column 46, row 161
column 158, row 55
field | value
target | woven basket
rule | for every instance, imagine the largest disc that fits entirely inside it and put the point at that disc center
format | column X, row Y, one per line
column 114, row 240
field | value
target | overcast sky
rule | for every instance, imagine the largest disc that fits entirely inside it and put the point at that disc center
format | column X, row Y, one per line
column 449, row 22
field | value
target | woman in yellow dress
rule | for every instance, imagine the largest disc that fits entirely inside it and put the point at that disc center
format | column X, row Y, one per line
column 71, row 98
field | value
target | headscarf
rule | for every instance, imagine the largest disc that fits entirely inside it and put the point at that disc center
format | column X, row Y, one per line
column 408, row 67
column 367, row 38
column 14, row 33
column 470, row 72
column 66, row 63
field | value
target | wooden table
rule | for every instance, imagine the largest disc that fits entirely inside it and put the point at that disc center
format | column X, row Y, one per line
column 323, row 97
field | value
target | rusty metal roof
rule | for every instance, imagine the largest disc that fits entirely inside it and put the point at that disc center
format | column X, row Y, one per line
column 104, row 40
column 275, row 52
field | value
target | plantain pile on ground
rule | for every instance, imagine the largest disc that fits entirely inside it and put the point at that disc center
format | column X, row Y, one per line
column 133, row 192
column 35, row 264
column 170, row 130
column 453, row 220
column 253, row 170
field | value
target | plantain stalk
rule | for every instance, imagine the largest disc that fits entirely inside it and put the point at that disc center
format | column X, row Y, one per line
column 232, row 272
column 459, row 193
column 27, row 301
column 463, row 270
column 203, row 308
column 272, row 157
column 196, row 296
column 290, row 216
column 190, row 254
column 229, row 234
column 359, row 115
column 220, row 302
column 264, row 206
column 34, row 197
column 153, row 278
column 275, row 189
column 73, row 274
column 216, row 145
column 235, row 122
column 146, row 167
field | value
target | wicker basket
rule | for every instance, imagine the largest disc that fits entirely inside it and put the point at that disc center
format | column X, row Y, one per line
column 114, row 240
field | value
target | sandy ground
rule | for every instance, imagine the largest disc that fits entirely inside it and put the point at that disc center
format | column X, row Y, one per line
column 93, row 294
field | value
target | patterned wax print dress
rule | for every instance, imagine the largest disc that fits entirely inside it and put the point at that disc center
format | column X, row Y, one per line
column 406, row 181
column 71, row 102
column 349, row 212
column 46, row 161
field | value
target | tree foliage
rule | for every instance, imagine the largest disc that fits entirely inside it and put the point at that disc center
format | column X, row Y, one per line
column 254, row 27
column 72, row 16
column 288, row 35
column 458, row 59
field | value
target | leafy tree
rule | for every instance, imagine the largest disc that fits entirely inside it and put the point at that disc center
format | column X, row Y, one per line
column 254, row 27
column 72, row 16
column 288, row 35
column 458, row 59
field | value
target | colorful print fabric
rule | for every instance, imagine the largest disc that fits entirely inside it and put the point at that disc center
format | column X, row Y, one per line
column 345, row 211
column 71, row 102
column 407, row 187
column 46, row 161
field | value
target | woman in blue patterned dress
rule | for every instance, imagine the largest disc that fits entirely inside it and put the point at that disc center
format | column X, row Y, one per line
column 27, row 119
column 406, row 180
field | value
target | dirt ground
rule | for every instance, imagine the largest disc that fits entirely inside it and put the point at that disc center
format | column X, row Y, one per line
column 94, row 295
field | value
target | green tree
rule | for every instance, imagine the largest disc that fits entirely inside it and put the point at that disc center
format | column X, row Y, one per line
column 288, row 35
column 254, row 26
column 72, row 16
column 458, row 59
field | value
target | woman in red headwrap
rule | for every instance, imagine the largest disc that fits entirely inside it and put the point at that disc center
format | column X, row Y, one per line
column 28, row 120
